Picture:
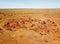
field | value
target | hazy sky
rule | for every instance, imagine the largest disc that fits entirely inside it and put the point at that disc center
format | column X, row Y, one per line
column 29, row 3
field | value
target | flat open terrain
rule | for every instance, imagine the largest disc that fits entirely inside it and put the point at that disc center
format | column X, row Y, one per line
column 40, row 13
column 27, row 30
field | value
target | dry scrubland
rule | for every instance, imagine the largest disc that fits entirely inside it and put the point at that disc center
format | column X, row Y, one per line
column 39, row 33
column 40, row 13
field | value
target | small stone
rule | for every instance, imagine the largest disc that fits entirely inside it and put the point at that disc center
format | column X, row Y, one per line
column 0, row 29
column 46, row 41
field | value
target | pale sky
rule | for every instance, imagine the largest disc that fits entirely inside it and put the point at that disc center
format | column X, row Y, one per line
column 29, row 3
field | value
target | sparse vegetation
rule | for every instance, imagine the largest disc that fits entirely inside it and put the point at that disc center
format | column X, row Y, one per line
column 40, row 13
